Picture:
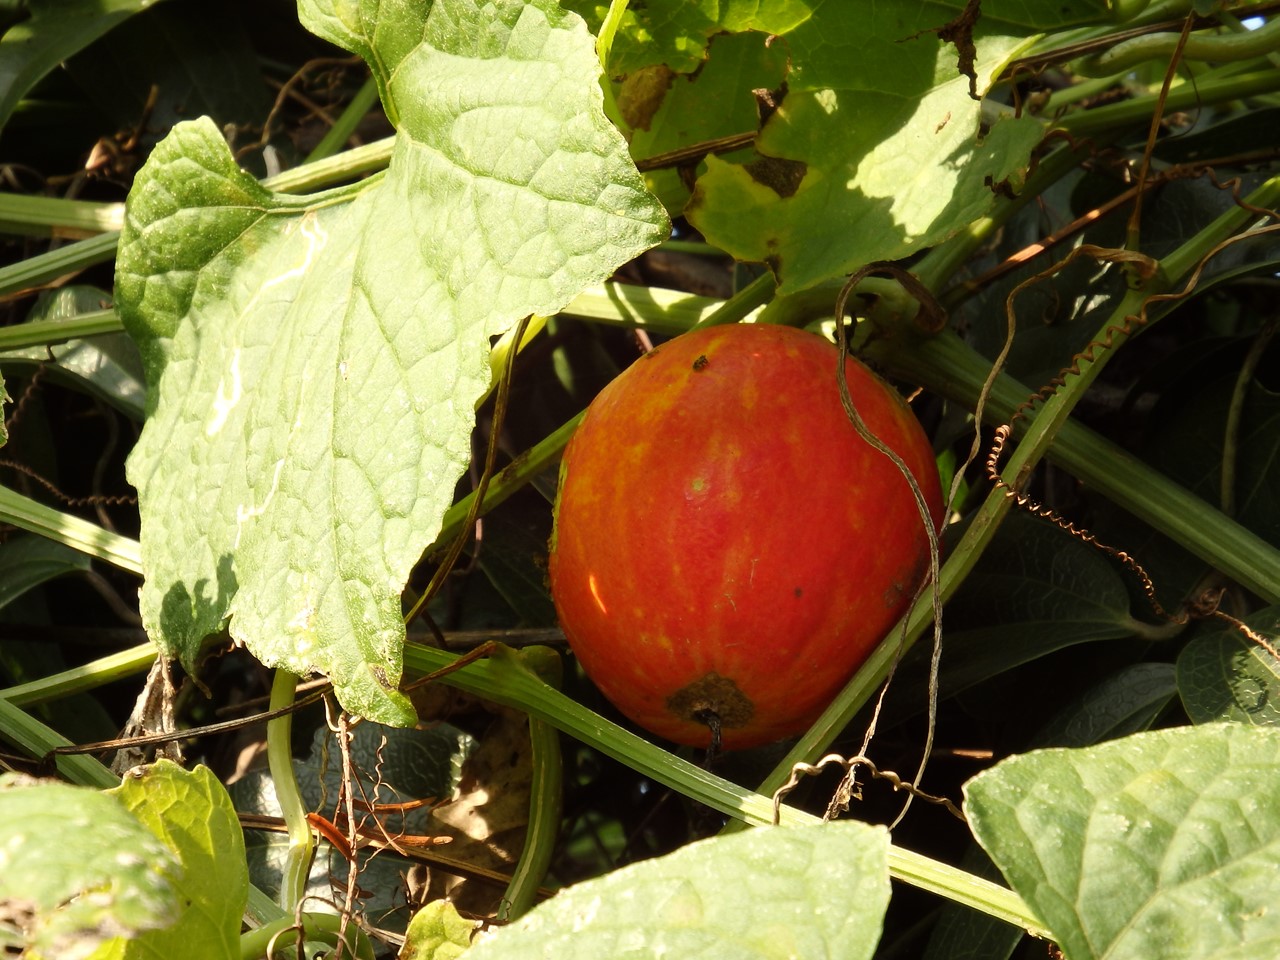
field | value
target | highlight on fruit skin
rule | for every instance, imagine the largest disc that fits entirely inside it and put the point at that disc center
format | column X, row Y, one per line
column 727, row 549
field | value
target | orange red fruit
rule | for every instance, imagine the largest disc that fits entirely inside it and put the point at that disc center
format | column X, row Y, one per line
column 727, row 549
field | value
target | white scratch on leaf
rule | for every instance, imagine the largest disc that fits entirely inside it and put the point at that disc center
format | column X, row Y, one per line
column 303, row 621
column 316, row 239
column 244, row 513
column 225, row 402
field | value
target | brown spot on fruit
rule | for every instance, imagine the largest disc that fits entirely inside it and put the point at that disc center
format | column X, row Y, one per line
column 716, row 694
column 701, row 362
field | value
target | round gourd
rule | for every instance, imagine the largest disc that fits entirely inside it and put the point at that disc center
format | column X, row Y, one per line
column 727, row 548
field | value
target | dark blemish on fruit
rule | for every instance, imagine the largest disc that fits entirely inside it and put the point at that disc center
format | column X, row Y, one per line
column 701, row 362
column 893, row 594
column 716, row 694
column 799, row 593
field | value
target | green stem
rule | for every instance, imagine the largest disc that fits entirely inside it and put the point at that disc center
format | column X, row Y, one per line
column 1088, row 123
column 1222, row 47
column 947, row 366
column 545, row 798
column 47, row 267
column 36, row 216
column 48, row 332
column 281, row 935
column 608, row 30
column 75, row 533
column 750, row 298
column 546, row 792
column 505, row 683
column 1235, row 412
column 88, row 676
column 343, row 168
column 604, row 44
column 297, row 863
column 1236, row 25
column 694, row 247
column 819, row 303
column 25, row 731
column 668, row 312
column 346, row 124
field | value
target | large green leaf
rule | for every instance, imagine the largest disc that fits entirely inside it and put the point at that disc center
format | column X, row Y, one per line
column 874, row 152
column 1164, row 844
column 190, row 812
column 1223, row 675
column 77, row 870
column 313, row 363
column 766, row 894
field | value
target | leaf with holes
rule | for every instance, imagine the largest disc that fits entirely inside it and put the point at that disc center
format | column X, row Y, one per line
column 664, row 110
column 875, row 150
column 676, row 35
column 1164, row 844
column 313, row 363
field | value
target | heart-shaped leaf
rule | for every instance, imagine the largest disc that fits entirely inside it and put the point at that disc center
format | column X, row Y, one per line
column 874, row 151
column 313, row 363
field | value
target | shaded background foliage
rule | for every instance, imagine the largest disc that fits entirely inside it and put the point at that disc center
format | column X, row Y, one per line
column 1050, row 642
